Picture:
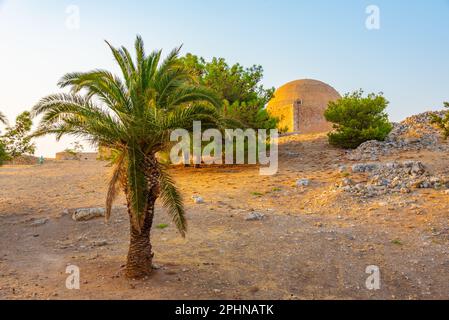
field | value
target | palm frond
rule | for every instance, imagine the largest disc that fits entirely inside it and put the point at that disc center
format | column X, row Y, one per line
column 77, row 116
column 3, row 119
column 116, row 177
column 183, row 117
column 102, row 84
column 125, row 63
column 172, row 201
column 193, row 93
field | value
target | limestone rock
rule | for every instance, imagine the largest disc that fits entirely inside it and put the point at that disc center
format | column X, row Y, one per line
column 85, row 214
column 303, row 183
column 39, row 222
column 197, row 200
column 392, row 177
column 255, row 216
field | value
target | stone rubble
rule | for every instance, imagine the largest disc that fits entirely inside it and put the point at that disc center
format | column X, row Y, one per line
column 414, row 133
column 392, row 177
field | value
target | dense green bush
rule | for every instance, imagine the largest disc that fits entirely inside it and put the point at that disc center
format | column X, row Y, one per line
column 358, row 119
column 3, row 154
column 244, row 97
column 443, row 122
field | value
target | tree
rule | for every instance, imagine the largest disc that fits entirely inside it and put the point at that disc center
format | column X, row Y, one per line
column 3, row 119
column 240, row 89
column 133, row 116
column 3, row 154
column 358, row 119
column 75, row 150
column 17, row 140
column 442, row 122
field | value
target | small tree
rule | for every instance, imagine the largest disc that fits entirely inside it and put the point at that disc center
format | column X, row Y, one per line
column 358, row 119
column 3, row 154
column 442, row 122
column 75, row 150
column 17, row 140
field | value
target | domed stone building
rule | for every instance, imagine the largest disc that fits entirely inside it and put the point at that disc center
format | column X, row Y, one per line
column 300, row 106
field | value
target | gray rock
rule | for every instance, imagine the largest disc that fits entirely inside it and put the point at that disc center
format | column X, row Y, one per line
column 100, row 243
column 197, row 200
column 86, row 214
column 39, row 222
column 303, row 183
column 364, row 167
column 255, row 216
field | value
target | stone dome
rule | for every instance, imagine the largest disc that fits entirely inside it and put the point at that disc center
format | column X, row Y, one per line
column 300, row 105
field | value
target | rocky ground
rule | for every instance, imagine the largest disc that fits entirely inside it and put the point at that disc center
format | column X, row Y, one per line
column 308, row 232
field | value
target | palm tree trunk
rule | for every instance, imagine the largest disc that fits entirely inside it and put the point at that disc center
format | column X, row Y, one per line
column 140, row 256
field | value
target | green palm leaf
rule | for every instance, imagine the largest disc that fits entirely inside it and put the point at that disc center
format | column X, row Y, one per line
column 3, row 118
column 172, row 200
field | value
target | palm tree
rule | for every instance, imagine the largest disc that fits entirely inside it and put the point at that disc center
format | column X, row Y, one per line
column 3, row 118
column 133, row 117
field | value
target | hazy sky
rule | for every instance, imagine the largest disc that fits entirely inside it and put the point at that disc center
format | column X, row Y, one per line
column 407, row 58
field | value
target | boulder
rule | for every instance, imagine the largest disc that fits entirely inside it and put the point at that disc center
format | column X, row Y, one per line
column 303, row 183
column 197, row 200
column 85, row 214
column 39, row 222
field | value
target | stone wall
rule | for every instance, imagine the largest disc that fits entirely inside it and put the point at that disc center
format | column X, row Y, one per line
column 84, row 156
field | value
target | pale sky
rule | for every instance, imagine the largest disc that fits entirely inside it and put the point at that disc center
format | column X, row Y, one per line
column 407, row 58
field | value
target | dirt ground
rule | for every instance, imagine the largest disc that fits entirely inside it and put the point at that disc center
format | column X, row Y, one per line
column 315, row 243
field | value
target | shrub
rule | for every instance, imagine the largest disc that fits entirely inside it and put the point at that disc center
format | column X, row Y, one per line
column 17, row 140
column 442, row 122
column 3, row 154
column 358, row 119
column 244, row 97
